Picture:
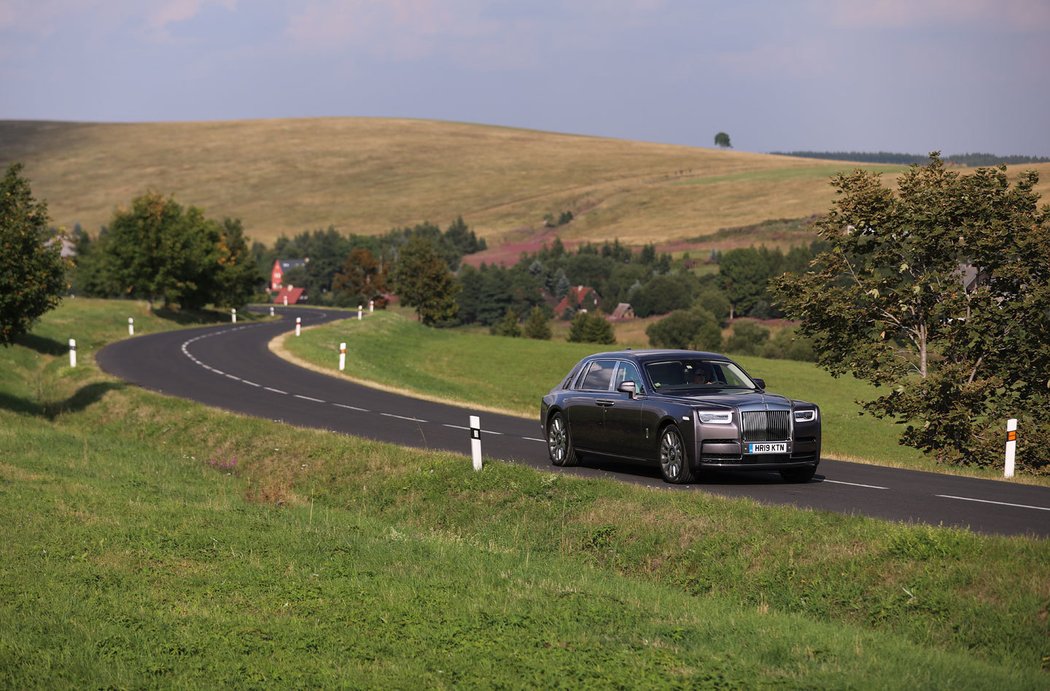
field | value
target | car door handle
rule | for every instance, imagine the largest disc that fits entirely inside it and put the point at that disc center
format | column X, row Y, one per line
column 605, row 402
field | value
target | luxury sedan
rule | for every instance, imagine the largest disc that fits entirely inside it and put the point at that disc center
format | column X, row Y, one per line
column 685, row 410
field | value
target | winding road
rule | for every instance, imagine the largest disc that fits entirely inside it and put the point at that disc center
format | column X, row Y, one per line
column 231, row 367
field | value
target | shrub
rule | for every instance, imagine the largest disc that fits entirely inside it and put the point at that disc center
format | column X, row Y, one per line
column 694, row 329
column 508, row 326
column 591, row 327
column 537, row 326
column 748, row 338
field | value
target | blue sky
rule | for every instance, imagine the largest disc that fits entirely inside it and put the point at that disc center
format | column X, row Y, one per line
column 895, row 75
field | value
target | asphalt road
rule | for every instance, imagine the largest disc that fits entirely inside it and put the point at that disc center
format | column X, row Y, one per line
column 231, row 367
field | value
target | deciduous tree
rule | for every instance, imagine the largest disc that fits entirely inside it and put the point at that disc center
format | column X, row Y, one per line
column 32, row 273
column 940, row 294
column 425, row 282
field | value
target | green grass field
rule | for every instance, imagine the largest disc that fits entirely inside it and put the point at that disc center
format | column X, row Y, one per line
column 155, row 542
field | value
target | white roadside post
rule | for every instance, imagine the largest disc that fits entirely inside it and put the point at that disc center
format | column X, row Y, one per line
column 72, row 352
column 233, row 314
column 342, row 356
column 131, row 326
column 285, row 300
column 475, row 441
column 359, row 309
column 1011, row 447
column 371, row 306
column 271, row 310
column 298, row 325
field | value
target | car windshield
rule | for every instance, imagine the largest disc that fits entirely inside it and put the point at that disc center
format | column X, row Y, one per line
column 687, row 373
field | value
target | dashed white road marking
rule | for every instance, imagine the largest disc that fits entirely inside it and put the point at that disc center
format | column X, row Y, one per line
column 402, row 417
column 251, row 383
column 998, row 503
column 308, row 398
column 542, row 441
column 455, row 426
column 352, row 407
column 853, row 484
column 487, row 431
column 284, row 393
column 233, row 377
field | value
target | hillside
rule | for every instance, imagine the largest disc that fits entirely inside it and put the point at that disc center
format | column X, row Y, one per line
column 367, row 175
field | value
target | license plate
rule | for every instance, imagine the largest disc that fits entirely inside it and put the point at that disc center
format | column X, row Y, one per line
column 776, row 447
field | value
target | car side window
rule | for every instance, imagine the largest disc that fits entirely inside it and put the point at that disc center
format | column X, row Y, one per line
column 628, row 371
column 598, row 375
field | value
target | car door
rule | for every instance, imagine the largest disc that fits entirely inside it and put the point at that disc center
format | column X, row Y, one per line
column 624, row 434
column 585, row 406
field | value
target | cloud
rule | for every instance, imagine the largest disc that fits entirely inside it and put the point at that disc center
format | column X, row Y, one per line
column 400, row 29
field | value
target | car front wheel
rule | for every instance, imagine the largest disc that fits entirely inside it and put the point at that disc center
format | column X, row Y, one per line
column 674, row 464
column 559, row 443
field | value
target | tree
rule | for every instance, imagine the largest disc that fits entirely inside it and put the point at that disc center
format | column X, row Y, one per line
column 237, row 275
column 159, row 251
column 590, row 327
column 32, row 273
column 748, row 338
column 722, row 140
column 360, row 279
column 508, row 326
column 537, row 325
column 695, row 329
column 425, row 282
column 941, row 294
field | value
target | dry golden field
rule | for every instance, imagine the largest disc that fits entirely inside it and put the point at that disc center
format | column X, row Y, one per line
column 368, row 175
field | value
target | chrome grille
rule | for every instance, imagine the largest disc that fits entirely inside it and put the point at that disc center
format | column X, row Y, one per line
column 765, row 425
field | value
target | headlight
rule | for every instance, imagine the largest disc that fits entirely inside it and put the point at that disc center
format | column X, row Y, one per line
column 805, row 415
column 715, row 417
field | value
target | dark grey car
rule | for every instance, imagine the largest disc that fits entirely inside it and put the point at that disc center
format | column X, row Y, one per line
column 683, row 409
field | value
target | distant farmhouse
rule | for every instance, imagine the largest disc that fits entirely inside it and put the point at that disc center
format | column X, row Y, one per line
column 578, row 299
column 280, row 268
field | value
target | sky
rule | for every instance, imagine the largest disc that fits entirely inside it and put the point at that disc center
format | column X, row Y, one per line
column 776, row 75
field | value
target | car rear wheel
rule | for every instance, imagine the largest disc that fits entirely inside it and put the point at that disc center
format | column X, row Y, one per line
column 798, row 474
column 674, row 464
column 559, row 443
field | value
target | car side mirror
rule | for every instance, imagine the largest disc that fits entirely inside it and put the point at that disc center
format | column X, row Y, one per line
column 760, row 383
column 629, row 388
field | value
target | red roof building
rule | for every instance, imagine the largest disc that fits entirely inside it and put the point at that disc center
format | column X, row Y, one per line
column 289, row 293
column 580, row 299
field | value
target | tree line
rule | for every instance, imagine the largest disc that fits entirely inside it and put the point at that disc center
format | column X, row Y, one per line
column 972, row 159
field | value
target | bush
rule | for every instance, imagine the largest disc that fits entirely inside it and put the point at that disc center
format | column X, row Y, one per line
column 787, row 344
column 537, row 326
column 591, row 327
column 695, row 329
column 714, row 301
column 748, row 338
column 508, row 326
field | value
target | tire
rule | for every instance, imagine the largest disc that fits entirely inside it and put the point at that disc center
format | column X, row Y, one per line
column 559, row 442
column 674, row 462
column 798, row 474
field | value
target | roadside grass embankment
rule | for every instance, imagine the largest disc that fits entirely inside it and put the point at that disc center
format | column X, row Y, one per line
column 153, row 541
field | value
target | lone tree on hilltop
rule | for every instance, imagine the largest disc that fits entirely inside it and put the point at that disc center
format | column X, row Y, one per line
column 722, row 140
column 941, row 294
column 32, row 273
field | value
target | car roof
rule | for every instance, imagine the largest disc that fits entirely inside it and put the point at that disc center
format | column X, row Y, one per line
column 659, row 354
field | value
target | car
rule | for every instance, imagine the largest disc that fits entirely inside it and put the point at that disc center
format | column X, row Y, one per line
column 685, row 410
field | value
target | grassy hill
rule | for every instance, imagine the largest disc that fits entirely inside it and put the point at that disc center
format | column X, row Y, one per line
column 367, row 175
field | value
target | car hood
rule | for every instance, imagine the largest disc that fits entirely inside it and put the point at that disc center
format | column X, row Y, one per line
column 731, row 398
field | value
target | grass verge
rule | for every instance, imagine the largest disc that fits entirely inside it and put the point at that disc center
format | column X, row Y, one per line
column 152, row 541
